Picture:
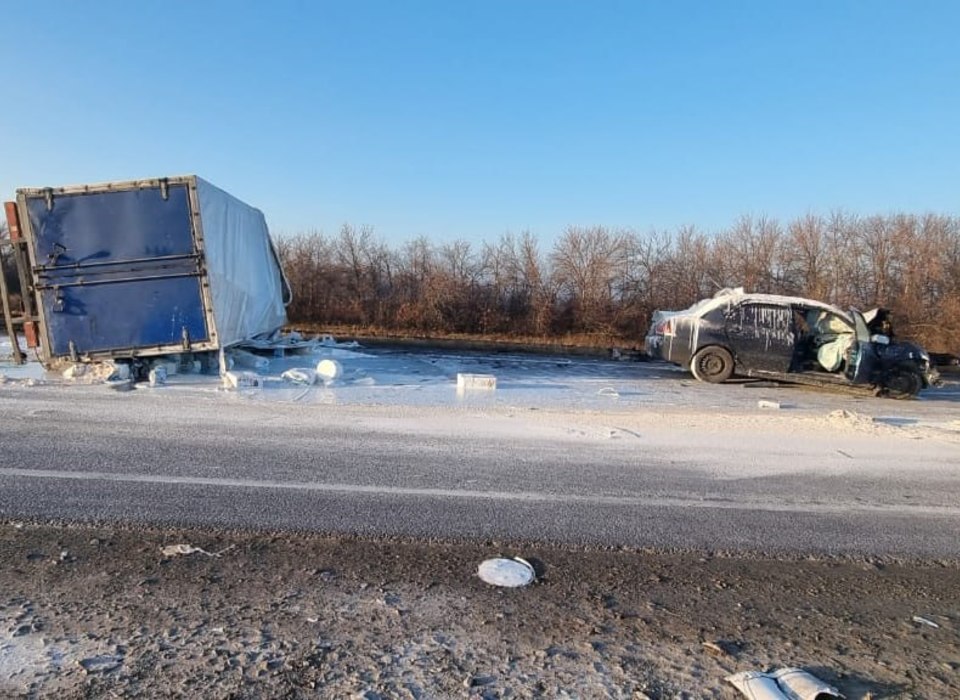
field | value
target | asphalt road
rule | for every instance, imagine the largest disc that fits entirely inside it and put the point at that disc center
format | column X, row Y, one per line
column 493, row 473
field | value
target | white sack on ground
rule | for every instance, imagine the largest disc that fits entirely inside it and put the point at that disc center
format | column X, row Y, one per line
column 782, row 684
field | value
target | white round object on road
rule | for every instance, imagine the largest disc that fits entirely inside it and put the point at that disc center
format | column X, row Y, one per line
column 507, row 573
column 329, row 369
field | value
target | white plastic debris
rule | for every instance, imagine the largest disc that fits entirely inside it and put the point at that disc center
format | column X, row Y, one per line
column 247, row 360
column 756, row 686
column 782, row 684
column 763, row 403
column 96, row 372
column 175, row 550
column 925, row 621
column 506, row 573
column 609, row 391
column 240, row 380
column 484, row 382
column 75, row 371
column 299, row 375
column 157, row 376
column 329, row 369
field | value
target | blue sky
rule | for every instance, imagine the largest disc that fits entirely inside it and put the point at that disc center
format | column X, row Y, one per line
column 467, row 120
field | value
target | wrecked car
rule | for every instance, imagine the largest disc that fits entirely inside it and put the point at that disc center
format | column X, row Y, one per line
column 788, row 339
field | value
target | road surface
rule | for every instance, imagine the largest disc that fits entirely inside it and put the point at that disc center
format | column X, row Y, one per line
column 721, row 474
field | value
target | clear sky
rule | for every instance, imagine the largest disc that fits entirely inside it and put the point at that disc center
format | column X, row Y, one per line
column 469, row 119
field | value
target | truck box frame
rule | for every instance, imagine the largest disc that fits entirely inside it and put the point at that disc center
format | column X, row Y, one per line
column 64, row 284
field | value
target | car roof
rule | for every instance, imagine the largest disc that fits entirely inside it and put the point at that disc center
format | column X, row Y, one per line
column 728, row 297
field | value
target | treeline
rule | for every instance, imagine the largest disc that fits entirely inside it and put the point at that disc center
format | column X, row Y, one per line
column 605, row 282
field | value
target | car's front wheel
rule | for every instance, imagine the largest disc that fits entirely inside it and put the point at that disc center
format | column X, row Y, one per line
column 902, row 383
column 712, row 364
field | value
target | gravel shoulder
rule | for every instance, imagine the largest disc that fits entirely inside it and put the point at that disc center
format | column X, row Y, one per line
column 90, row 612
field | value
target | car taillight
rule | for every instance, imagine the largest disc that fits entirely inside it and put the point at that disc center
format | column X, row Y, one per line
column 664, row 327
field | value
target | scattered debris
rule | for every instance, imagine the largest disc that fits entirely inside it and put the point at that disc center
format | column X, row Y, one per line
column 925, row 621
column 507, row 573
column 714, row 648
column 329, row 370
column 783, row 684
column 101, row 664
column 174, row 550
column 280, row 344
column 851, row 418
column 721, row 648
column 299, row 375
column 96, row 372
column 764, row 403
column 477, row 681
column 119, row 384
column 240, row 380
column 247, row 360
column 157, row 376
column 476, row 381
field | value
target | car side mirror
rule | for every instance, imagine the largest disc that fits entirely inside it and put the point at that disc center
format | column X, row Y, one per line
column 880, row 339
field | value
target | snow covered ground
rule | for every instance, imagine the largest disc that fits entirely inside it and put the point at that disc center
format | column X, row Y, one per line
column 417, row 377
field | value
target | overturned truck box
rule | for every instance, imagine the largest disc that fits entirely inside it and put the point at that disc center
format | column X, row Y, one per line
column 143, row 268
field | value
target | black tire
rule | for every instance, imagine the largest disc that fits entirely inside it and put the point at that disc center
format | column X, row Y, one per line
column 902, row 383
column 712, row 364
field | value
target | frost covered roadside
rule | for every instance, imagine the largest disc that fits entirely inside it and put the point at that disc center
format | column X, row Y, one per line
column 93, row 612
column 101, row 613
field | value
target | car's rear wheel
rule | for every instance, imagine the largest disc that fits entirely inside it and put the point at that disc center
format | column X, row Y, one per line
column 902, row 383
column 712, row 364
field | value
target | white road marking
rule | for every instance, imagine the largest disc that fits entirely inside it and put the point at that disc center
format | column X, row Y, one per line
column 520, row 496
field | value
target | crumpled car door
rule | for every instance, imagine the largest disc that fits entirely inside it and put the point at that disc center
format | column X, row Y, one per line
column 862, row 362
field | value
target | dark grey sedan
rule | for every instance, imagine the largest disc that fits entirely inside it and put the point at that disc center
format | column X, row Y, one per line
column 789, row 339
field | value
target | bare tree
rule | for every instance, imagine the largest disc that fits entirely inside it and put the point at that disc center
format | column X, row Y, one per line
column 586, row 263
column 805, row 258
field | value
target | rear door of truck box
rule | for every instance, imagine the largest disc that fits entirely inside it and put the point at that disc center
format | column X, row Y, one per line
column 117, row 269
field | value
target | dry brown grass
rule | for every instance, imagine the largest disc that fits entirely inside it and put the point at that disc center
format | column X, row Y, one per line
column 597, row 341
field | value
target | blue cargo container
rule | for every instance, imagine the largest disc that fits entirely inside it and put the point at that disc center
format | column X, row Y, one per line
column 147, row 267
